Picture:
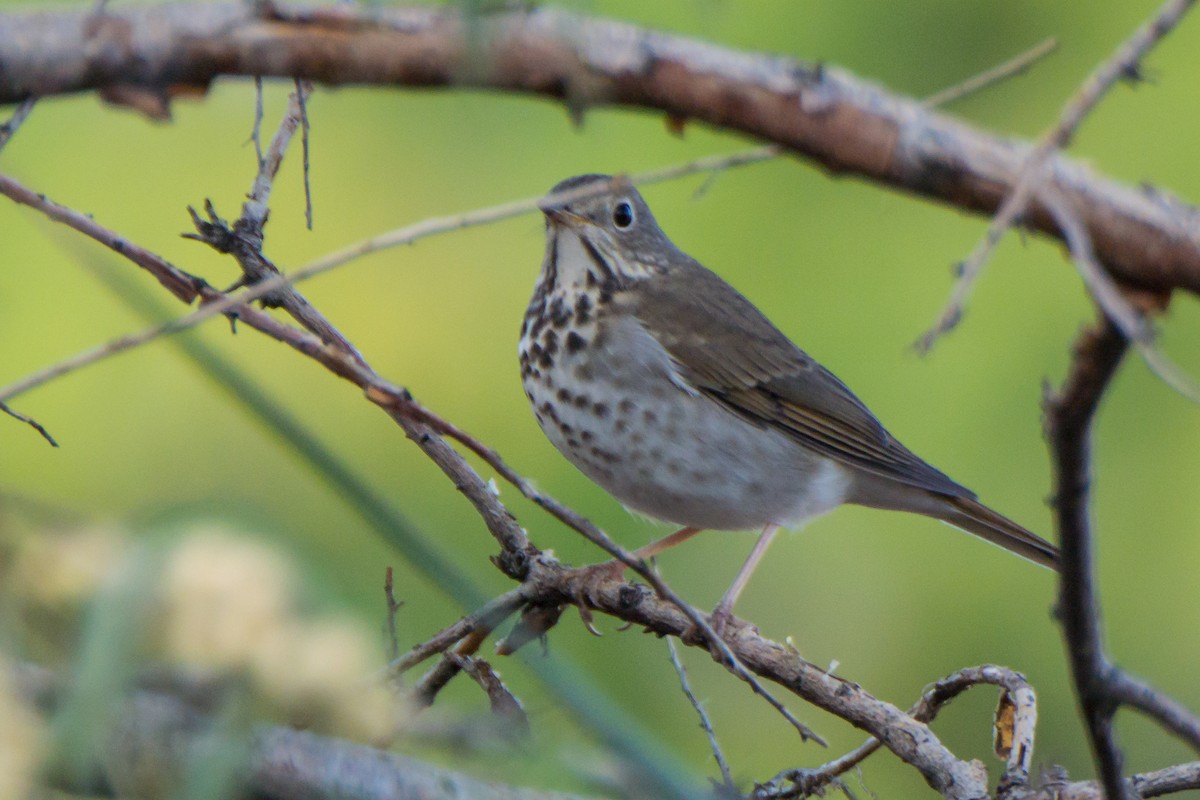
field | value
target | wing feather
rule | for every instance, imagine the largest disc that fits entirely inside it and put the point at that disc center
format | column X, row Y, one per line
column 726, row 348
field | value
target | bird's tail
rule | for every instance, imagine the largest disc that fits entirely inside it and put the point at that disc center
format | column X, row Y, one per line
column 974, row 517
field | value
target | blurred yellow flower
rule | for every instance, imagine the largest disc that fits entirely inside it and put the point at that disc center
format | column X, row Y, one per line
column 230, row 604
column 56, row 569
column 222, row 597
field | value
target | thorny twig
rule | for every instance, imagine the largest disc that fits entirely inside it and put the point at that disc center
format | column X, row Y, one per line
column 393, row 606
column 705, row 723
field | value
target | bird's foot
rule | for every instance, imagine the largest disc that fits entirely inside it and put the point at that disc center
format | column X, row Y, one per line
column 589, row 579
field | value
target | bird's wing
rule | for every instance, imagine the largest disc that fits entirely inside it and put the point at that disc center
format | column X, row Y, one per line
column 726, row 348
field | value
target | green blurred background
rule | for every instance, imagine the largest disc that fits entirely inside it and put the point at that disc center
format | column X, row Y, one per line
column 852, row 272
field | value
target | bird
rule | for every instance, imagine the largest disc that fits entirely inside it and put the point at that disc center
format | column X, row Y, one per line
column 674, row 393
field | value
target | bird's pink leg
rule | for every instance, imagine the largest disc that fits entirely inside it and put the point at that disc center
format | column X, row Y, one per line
column 615, row 569
column 724, row 609
column 654, row 548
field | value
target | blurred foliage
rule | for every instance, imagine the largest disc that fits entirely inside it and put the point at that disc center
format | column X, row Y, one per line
column 853, row 273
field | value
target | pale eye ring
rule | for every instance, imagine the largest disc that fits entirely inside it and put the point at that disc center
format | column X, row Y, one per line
column 622, row 214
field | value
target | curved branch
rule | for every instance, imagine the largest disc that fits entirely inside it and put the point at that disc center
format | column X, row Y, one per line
column 143, row 55
column 1102, row 686
column 1069, row 414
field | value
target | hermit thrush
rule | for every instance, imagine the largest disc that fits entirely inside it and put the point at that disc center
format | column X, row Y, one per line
column 668, row 388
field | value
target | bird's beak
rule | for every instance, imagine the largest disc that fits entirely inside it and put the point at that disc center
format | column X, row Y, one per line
column 558, row 215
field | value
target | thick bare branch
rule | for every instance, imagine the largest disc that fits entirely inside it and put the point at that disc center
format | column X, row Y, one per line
column 1143, row 237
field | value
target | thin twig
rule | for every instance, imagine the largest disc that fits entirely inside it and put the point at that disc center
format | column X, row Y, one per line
column 705, row 722
column 489, row 617
column 244, row 240
column 393, row 606
column 255, row 209
column 256, row 131
column 1172, row 715
column 30, row 421
column 1122, row 64
column 501, row 699
column 303, row 90
column 9, row 127
column 1001, row 72
column 1110, row 298
column 426, row 689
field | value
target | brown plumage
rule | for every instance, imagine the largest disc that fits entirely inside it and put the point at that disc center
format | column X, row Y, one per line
column 769, row 436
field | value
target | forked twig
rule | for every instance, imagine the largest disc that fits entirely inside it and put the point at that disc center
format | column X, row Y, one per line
column 1122, row 64
column 795, row 783
column 487, row 617
column 1110, row 297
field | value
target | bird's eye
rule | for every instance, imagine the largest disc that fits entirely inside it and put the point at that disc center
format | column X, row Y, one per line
column 623, row 214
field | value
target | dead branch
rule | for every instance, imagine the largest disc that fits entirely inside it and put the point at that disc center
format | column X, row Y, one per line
column 1069, row 415
column 1068, row 428
column 244, row 239
column 1143, row 237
